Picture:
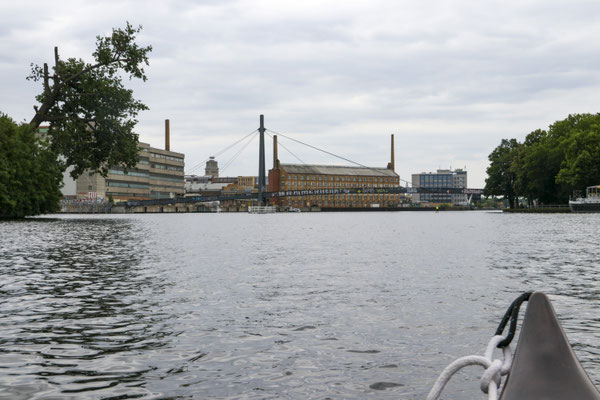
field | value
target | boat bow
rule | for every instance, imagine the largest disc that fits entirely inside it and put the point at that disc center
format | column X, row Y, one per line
column 544, row 364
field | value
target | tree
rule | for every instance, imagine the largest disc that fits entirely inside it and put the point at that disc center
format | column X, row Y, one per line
column 536, row 167
column 524, row 181
column 91, row 114
column 501, row 180
column 30, row 178
column 580, row 167
column 548, row 165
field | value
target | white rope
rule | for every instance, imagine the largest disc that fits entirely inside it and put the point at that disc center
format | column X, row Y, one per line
column 491, row 378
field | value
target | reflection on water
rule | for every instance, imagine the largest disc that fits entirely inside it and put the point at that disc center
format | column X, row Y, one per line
column 77, row 307
column 296, row 306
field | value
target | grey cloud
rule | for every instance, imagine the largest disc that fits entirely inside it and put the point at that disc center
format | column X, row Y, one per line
column 449, row 79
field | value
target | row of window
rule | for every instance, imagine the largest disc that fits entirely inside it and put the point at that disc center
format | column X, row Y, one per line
column 337, row 204
column 178, row 188
column 299, row 185
column 144, row 174
column 427, row 178
column 169, row 178
column 164, row 157
column 339, row 178
column 435, row 197
column 161, row 195
column 167, row 167
column 141, row 174
column 120, row 194
column 353, row 197
column 127, row 185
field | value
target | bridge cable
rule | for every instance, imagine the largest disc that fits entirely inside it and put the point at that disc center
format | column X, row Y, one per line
column 236, row 155
column 331, row 154
column 340, row 157
column 199, row 165
column 288, row 150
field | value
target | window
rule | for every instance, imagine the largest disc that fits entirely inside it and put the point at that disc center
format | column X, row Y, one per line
column 130, row 173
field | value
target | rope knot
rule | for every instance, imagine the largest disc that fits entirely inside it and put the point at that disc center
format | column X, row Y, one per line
column 491, row 375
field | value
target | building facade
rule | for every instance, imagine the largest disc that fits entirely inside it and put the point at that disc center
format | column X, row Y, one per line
column 158, row 175
column 212, row 168
column 443, row 178
column 298, row 177
column 293, row 177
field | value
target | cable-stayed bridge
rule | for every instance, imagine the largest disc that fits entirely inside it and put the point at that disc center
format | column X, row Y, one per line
column 262, row 196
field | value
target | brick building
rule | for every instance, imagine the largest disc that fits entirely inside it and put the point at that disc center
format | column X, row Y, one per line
column 298, row 177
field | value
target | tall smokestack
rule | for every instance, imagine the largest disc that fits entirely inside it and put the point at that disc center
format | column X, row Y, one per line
column 393, row 161
column 167, row 136
column 275, row 153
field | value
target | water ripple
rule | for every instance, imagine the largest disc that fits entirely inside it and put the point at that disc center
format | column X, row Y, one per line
column 310, row 306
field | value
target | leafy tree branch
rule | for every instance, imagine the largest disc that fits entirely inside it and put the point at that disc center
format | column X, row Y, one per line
column 91, row 114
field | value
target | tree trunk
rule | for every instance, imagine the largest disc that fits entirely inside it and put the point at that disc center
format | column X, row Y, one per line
column 42, row 112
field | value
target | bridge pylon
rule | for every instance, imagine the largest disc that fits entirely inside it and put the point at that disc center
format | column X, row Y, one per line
column 261, row 162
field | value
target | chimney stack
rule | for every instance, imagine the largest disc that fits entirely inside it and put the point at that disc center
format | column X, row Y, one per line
column 167, row 136
column 393, row 161
column 275, row 153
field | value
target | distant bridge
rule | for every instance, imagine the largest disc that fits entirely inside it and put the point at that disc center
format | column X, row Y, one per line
column 263, row 196
column 305, row 192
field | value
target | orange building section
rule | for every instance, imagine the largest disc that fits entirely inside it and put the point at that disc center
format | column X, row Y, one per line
column 290, row 177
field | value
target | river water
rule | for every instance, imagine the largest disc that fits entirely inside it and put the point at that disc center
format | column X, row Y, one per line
column 291, row 306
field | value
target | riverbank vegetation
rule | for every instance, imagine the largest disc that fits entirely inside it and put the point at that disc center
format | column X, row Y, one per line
column 548, row 165
column 30, row 177
column 91, row 118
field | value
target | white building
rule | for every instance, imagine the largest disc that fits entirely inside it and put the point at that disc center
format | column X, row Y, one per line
column 443, row 178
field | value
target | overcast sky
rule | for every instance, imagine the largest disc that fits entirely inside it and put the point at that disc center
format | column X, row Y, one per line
column 449, row 78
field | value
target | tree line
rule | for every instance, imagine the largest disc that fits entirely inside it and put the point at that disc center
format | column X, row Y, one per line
column 549, row 164
column 91, row 118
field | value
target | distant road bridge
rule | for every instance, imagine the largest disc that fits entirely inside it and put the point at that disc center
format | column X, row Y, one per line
column 305, row 192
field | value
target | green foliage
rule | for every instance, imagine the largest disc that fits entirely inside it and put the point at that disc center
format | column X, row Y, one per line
column 488, row 202
column 581, row 166
column 91, row 114
column 30, row 177
column 548, row 165
column 501, row 178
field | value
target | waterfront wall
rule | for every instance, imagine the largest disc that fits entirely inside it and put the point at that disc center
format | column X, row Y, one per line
column 539, row 210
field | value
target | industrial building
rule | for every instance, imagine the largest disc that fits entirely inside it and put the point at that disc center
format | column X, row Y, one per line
column 158, row 175
column 298, row 177
column 443, row 178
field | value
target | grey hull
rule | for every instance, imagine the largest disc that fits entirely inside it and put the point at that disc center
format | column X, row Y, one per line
column 584, row 207
column 544, row 365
